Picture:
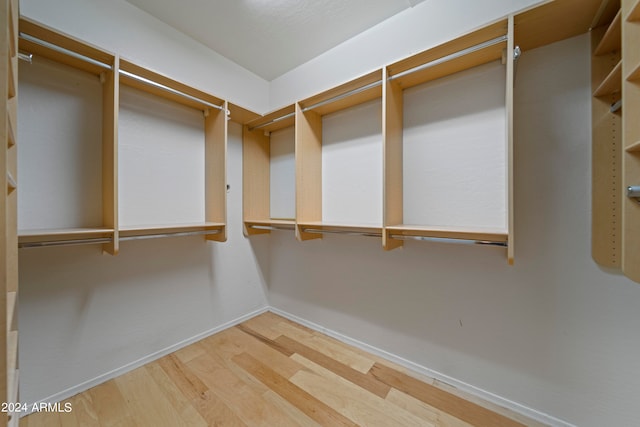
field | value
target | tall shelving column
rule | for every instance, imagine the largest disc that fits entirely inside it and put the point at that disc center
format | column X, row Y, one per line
column 606, row 67
column 631, row 137
column 8, row 210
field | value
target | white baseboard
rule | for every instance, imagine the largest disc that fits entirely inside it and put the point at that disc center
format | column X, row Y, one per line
column 421, row 370
column 72, row 391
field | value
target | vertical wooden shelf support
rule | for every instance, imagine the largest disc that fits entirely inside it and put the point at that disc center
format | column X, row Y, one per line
column 8, row 209
column 256, row 191
column 630, row 136
column 509, row 139
column 216, row 123
column 308, row 171
column 110, row 107
column 392, row 121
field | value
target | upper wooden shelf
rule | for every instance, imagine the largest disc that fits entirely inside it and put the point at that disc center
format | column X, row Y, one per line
column 12, row 30
column 355, row 92
column 11, row 78
column 276, row 120
column 241, row 115
column 612, row 39
column 12, row 298
column 466, row 233
column 468, row 51
column 160, row 85
column 40, row 40
column 612, row 84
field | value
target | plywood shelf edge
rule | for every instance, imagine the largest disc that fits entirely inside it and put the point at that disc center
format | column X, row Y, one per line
column 634, row 14
column 634, row 148
column 611, row 84
column 612, row 40
column 464, row 233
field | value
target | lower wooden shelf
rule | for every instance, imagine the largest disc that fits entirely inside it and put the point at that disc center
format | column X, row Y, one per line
column 477, row 234
column 319, row 227
column 67, row 236
column 133, row 232
column 261, row 226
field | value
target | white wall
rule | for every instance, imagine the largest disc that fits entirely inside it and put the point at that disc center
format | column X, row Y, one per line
column 121, row 28
column 425, row 25
column 554, row 332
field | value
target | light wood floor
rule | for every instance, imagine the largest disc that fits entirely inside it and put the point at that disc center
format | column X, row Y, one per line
column 272, row 372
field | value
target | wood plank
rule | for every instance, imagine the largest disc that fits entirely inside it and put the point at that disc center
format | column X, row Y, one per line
column 634, row 13
column 110, row 110
column 188, row 383
column 366, row 381
column 216, row 413
column 460, row 408
column 612, row 83
column 62, row 234
column 612, row 39
column 156, row 229
column 633, row 148
column 215, row 134
column 83, row 410
column 304, row 401
column 246, row 403
column 606, row 164
column 308, row 149
column 276, row 120
column 256, row 177
column 350, row 400
column 335, row 350
column 630, row 135
column 108, row 404
column 288, row 408
column 554, row 21
column 161, row 79
column 471, row 233
column 509, row 83
column 146, row 399
column 240, row 114
column 392, row 131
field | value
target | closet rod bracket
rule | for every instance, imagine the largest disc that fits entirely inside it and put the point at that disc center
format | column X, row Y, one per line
column 633, row 192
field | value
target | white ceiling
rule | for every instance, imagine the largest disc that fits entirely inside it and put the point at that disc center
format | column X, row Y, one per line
column 271, row 37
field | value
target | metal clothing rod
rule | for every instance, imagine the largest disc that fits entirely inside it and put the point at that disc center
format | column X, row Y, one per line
column 272, row 227
column 448, row 240
column 178, row 234
column 171, row 90
column 633, row 191
column 451, row 57
column 27, row 57
column 65, row 242
column 68, row 52
column 277, row 119
column 616, row 106
column 346, row 233
column 343, row 95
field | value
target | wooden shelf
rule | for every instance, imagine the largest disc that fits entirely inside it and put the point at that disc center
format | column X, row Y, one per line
column 465, row 233
column 355, row 92
column 634, row 148
column 253, row 227
column 69, row 50
column 12, row 29
column 634, row 14
column 167, row 88
column 241, row 115
column 634, row 75
column 612, row 39
column 63, row 234
column 11, row 183
column 320, row 227
column 12, row 122
column 12, row 66
column 276, row 120
column 447, row 59
column 612, row 84
column 168, row 229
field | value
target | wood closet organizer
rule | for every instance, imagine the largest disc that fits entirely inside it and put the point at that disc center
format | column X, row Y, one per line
column 8, row 211
column 494, row 42
column 615, row 71
column 113, row 72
